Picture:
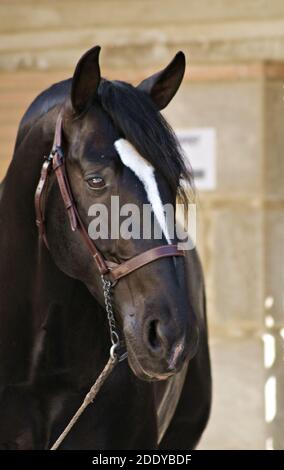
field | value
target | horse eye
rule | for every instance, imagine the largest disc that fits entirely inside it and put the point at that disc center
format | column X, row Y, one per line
column 96, row 182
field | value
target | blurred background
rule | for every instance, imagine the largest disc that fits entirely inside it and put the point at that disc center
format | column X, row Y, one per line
column 229, row 116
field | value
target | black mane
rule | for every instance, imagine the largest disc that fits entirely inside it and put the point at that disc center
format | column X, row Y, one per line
column 139, row 121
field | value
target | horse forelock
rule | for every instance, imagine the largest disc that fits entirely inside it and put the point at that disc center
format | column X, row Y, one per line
column 143, row 126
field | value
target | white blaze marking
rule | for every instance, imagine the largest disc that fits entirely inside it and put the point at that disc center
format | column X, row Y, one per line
column 145, row 173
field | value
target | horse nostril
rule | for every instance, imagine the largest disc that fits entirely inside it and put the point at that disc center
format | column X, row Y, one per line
column 152, row 334
column 157, row 342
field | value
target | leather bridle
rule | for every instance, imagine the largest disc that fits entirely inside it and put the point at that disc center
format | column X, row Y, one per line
column 114, row 271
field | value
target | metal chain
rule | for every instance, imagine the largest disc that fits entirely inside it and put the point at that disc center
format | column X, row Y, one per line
column 114, row 334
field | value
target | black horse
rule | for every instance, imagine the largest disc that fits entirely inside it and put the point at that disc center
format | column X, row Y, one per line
column 54, row 335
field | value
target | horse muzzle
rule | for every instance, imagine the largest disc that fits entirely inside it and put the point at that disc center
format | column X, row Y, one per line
column 159, row 350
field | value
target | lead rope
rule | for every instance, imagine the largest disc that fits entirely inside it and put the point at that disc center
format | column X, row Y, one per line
column 113, row 360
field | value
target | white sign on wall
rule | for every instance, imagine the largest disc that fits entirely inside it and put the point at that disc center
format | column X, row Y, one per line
column 199, row 146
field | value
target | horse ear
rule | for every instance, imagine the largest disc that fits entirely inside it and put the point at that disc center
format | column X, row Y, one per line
column 163, row 86
column 85, row 80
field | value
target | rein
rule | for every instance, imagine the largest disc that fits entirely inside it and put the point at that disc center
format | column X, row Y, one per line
column 110, row 272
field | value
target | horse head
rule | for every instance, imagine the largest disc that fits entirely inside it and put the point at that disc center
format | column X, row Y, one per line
column 117, row 145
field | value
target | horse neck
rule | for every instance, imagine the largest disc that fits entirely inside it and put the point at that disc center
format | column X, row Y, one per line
column 35, row 295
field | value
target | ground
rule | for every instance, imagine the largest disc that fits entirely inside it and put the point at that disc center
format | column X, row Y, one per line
column 237, row 418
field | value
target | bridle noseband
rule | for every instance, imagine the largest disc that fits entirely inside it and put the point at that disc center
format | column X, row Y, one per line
column 110, row 272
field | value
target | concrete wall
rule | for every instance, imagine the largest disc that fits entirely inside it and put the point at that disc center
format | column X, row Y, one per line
column 52, row 33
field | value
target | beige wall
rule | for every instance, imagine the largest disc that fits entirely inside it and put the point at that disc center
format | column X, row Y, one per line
column 53, row 33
